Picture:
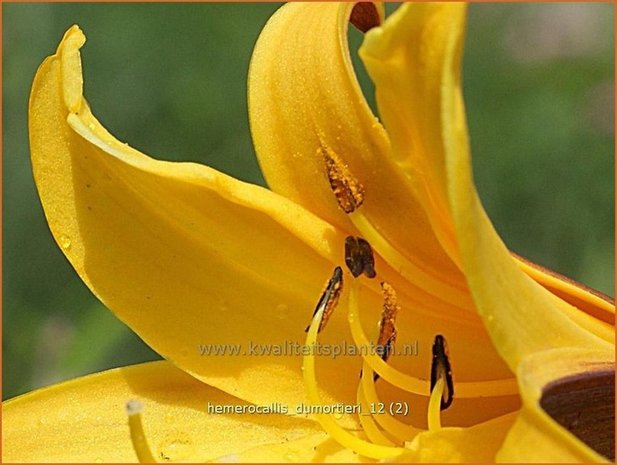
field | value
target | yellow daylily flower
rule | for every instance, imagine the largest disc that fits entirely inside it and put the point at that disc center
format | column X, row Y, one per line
column 191, row 258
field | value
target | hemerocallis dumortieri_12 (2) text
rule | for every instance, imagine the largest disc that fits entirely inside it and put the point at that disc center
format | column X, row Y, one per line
column 372, row 234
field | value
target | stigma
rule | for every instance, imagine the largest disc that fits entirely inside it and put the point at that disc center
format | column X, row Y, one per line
column 138, row 437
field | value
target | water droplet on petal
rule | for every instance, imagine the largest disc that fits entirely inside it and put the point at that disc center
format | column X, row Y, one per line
column 281, row 311
column 98, row 460
column 223, row 306
column 65, row 242
column 178, row 447
column 338, row 416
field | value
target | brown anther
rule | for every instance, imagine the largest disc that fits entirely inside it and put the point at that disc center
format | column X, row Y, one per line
column 440, row 368
column 387, row 329
column 365, row 16
column 329, row 298
column 348, row 191
column 359, row 257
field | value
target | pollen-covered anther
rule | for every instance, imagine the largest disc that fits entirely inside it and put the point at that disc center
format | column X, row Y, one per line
column 440, row 369
column 329, row 298
column 387, row 328
column 349, row 192
column 138, row 437
column 359, row 257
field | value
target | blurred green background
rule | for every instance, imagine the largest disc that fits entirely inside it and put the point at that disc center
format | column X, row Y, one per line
column 170, row 79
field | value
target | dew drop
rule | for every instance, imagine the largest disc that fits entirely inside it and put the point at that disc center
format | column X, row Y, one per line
column 65, row 242
column 338, row 416
column 281, row 311
column 177, row 448
column 98, row 460
column 91, row 126
column 223, row 306
column 291, row 457
column 231, row 458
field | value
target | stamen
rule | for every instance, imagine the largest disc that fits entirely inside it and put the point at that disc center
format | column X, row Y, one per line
column 387, row 330
column 138, row 438
column 348, row 191
column 329, row 298
column 359, row 257
column 340, row 435
column 440, row 369
column 412, row 384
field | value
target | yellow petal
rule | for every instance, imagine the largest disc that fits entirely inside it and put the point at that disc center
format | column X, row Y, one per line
column 414, row 60
column 405, row 61
column 303, row 96
column 84, row 420
column 315, row 448
column 576, row 386
column 186, row 256
column 477, row 444
column 521, row 316
column 592, row 302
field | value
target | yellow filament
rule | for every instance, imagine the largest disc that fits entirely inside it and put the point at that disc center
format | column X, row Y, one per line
column 411, row 272
column 396, row 428
column 434, row 405
column 138, row 438
column 340, row 435
column 368, row 423
column 492, row 388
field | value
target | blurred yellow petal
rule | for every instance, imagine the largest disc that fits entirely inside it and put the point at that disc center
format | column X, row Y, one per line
column 592, row 302
column 516, row 310
column 405, row 60
column 568, row 408
column 414, row 60
column 186, row 256
column 84, row 420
